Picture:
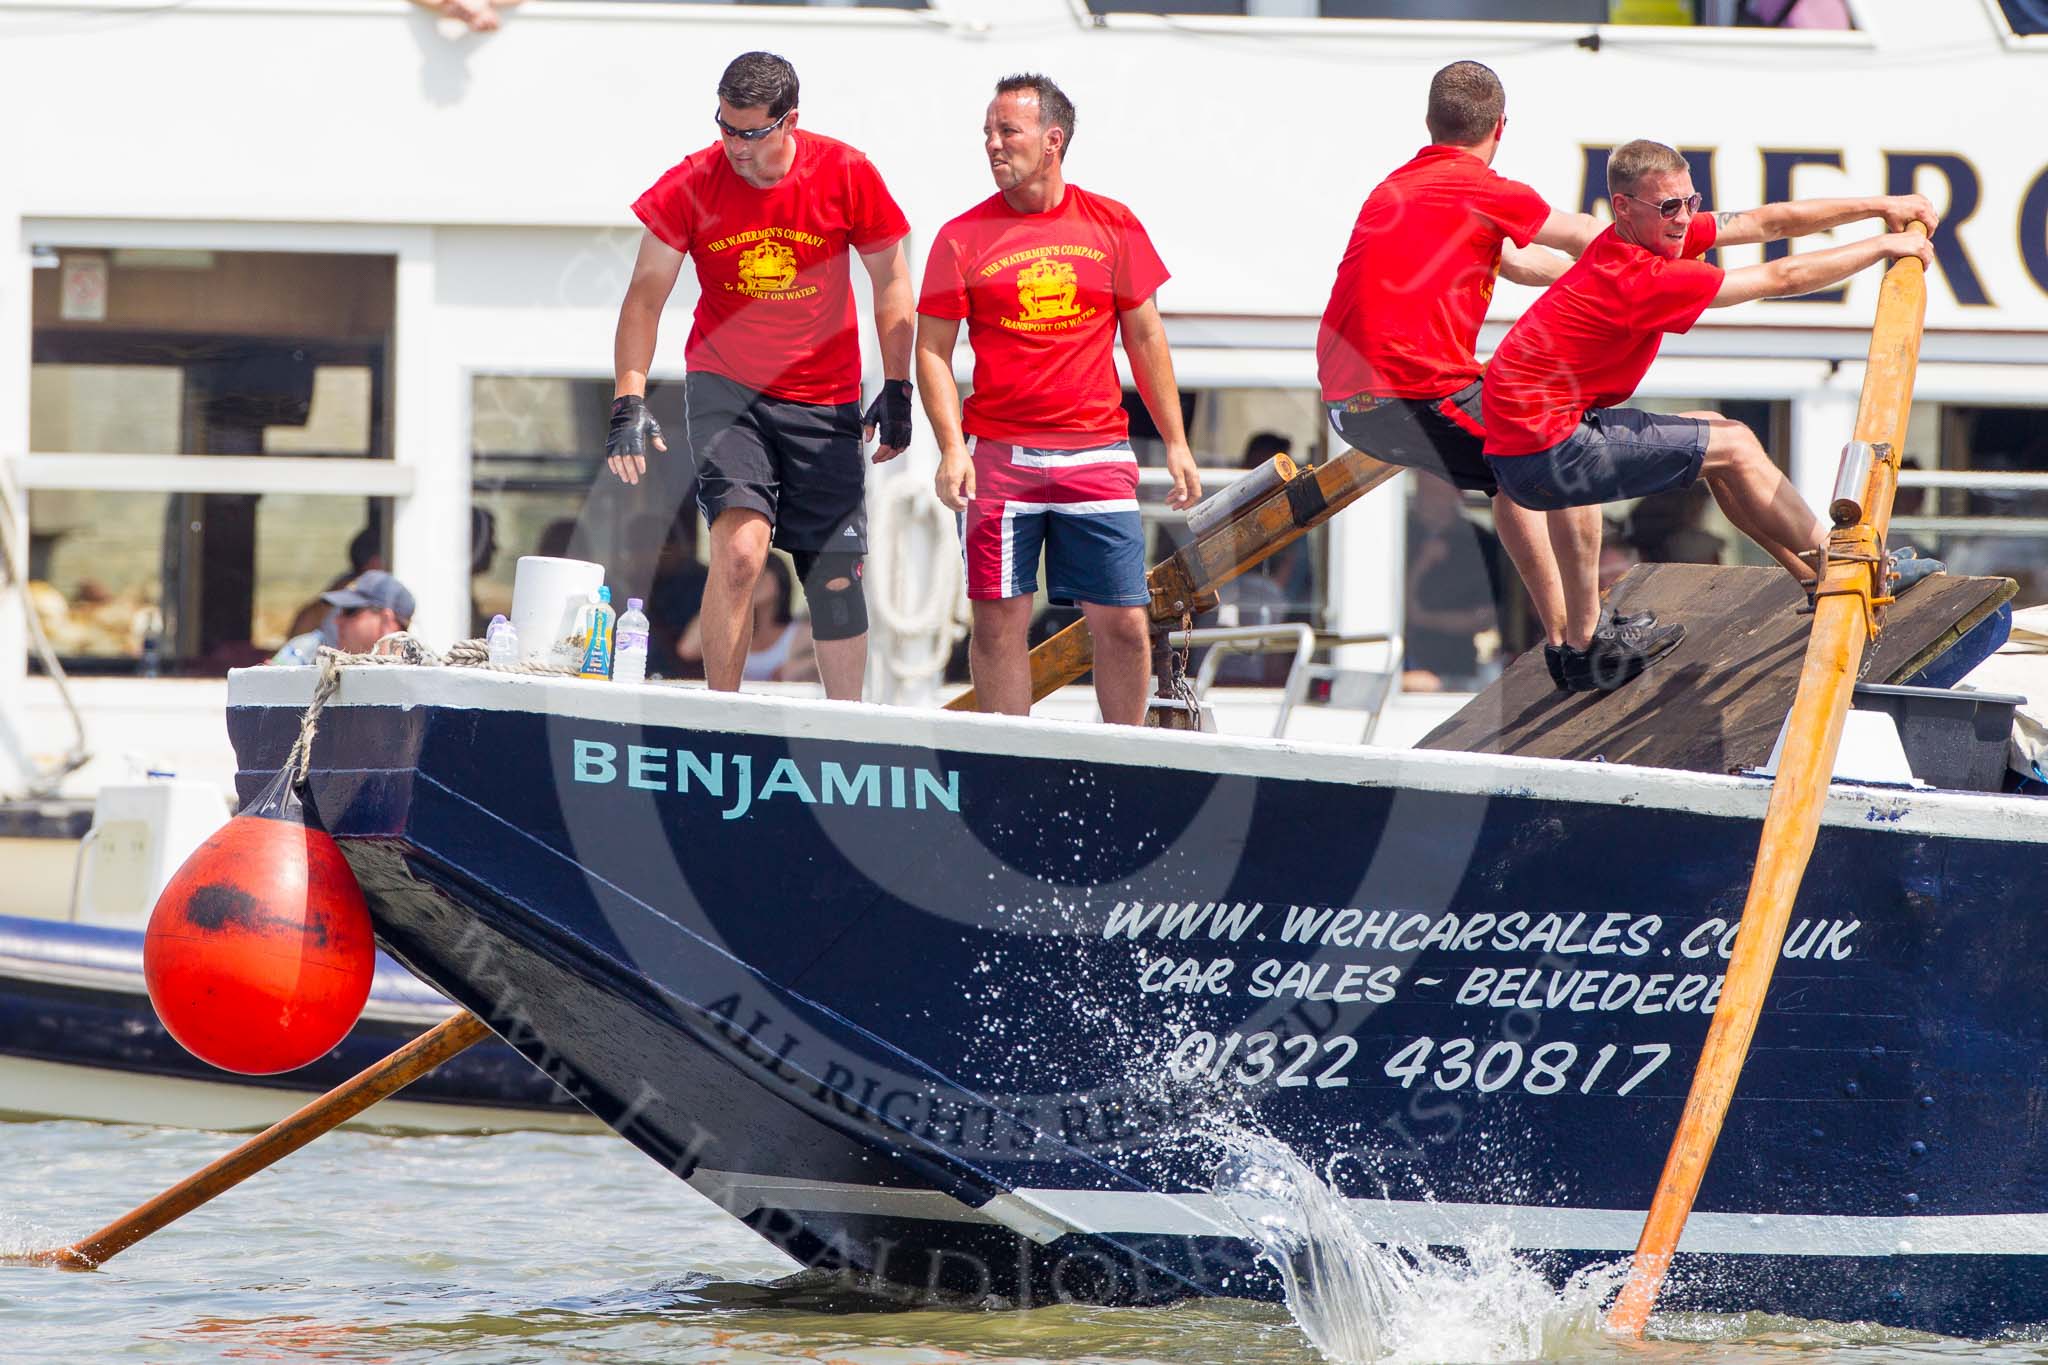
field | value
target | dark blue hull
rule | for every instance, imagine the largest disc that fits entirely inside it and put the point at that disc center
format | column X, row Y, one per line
column 73, row 996
column 954, row 1002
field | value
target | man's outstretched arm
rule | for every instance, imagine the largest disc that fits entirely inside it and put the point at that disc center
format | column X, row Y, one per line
column 633, row 430
column 1810, row 270
column 1803, row 217
column 1532, row 265
column 1570, row 233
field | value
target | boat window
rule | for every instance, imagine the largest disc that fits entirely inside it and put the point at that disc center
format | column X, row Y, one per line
column 212, row 353
column 537, row 450
column 209, row 443
column 190, row 584
column 1974, row 491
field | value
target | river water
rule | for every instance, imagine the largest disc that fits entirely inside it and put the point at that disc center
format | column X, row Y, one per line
column 517, row 1248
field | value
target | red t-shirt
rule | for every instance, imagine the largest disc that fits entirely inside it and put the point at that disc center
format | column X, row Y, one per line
column 776, row 308
column 1417, row 276
column 1041, row 293
column 1590, row 339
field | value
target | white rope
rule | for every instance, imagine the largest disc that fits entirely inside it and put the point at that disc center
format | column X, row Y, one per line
column 399, row 647
column 920, row 597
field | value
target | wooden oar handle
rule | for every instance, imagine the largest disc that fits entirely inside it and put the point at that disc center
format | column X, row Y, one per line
column 1843, row 623
column 274, row 1143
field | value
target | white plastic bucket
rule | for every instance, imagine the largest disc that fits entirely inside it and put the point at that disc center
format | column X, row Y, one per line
column 546, row 594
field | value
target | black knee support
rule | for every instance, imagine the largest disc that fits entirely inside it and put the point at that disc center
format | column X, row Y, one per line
column 837, row 612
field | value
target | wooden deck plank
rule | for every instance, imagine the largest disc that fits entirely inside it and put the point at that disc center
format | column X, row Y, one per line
column 1715, row 703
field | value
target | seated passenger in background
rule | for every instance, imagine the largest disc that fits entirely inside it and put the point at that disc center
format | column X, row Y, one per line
column 782, row 649
column 371, row 607
column 365, row 552
column 676, row 595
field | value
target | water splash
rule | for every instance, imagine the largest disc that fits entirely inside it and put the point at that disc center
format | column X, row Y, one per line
column 1361, row 1296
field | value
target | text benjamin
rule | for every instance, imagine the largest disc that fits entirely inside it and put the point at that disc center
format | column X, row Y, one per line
column 650, row 768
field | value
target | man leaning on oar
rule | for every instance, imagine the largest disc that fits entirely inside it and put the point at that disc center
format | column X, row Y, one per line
column 1558, row 442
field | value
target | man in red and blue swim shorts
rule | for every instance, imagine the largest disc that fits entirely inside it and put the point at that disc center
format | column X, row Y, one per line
column 1045, row 274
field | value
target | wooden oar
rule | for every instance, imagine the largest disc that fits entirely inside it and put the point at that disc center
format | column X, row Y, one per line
column 1844, row 620
column 280, row 1140
column 1184, row 583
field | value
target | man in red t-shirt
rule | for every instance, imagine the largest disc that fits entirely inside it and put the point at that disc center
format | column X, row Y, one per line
column 1045, row 274
column 1557, row 442
column 1395, row 351
column 768, row 214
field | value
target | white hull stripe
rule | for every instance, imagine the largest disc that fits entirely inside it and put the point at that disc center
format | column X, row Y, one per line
column 2017, row 819
column 1044, row 1214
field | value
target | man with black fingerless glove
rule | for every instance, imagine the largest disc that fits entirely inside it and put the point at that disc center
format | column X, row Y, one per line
column 633, row 433
column 889, row 415
column 774, row 428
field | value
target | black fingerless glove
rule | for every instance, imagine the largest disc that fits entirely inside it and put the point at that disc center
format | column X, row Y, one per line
column 633, row 430
column 889, row 414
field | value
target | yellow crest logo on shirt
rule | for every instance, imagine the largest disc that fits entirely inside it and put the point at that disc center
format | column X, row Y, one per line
column 1046, row 289
column 768, row 268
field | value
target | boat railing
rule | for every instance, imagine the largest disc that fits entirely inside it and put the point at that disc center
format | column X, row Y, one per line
column 1353, row 689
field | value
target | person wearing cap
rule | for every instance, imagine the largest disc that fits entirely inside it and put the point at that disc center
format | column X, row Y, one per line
column 366, row 610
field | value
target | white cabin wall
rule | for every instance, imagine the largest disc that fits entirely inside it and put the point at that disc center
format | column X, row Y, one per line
column 499, row 170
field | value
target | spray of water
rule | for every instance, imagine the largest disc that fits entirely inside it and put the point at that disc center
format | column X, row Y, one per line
column 1362, row 1296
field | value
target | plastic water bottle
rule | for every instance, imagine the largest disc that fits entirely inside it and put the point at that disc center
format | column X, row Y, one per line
column 629, row 656
column 503, row 642
column 594, row 629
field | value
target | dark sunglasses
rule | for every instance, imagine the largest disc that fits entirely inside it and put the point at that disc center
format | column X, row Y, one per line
column 748, row 134
column 1668, row 208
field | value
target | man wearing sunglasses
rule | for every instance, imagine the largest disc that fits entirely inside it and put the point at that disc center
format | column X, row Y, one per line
column 1395, row 352
column 767, row 215
column 1558, row 442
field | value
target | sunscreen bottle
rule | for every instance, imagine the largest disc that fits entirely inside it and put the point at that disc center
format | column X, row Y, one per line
column 595, row 630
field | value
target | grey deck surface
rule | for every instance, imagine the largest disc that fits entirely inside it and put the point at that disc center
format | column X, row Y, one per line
column 1715, row 703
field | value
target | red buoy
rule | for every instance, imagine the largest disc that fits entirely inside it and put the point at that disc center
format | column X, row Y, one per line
column 259, row 953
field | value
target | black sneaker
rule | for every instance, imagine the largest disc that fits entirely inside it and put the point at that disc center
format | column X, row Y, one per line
column 1620, row 650
column 1553, row 659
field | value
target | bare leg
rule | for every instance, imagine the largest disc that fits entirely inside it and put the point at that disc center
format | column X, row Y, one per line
column 843, row 666
column 1123, row 661
column 998, row 657
column 1757, row 497
column 1526, row 537
column 1575, row 541
column 739, row 546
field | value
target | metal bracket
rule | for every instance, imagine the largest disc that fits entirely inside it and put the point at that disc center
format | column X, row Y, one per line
column 1305, row 499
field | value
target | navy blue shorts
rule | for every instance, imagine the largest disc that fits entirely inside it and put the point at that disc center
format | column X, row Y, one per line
column 1440, row 436
column 1615, row 453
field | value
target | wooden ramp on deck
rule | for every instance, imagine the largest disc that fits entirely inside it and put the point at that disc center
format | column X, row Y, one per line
column 1715, row 703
